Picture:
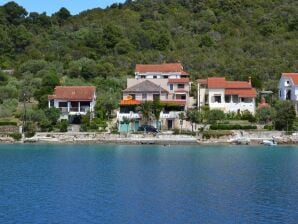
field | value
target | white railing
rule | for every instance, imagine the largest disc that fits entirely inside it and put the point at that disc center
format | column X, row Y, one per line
column 170, row 115
column 130, row 115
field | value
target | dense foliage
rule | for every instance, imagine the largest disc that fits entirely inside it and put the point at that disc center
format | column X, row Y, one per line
column 231, row 38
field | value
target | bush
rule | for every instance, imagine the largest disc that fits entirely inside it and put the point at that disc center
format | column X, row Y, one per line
column 268, row 127
column 215, row 134
column 5, row 123
column 63, row 126
column 30, row 129
column 16, row 136
column 232, row 127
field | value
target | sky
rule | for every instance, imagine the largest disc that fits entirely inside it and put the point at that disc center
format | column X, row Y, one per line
column 51, row 6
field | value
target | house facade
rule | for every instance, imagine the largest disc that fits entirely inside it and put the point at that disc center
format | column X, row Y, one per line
column 167, row 82
column 73, row 101
column 229, row 96
column 288, row 88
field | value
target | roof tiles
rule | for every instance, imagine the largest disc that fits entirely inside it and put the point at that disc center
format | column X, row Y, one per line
column 74, row 93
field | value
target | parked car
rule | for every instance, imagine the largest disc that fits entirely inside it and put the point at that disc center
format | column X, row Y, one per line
column 147, row 128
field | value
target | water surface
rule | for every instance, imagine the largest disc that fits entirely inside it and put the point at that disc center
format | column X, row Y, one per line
column 148, row 184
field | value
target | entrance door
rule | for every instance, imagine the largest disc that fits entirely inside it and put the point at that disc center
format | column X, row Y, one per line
column 170, row 124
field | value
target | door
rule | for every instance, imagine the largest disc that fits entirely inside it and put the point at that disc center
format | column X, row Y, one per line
column 170, row 124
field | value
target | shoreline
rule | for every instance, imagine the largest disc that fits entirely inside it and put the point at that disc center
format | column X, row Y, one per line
column 254, row 138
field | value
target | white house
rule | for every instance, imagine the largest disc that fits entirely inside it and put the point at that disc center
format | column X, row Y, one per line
column 167, row 82
column 73, row 101
column 229, row 96
column 288, row 88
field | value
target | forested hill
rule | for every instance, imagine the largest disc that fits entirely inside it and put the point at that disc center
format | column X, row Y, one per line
column 232, row 38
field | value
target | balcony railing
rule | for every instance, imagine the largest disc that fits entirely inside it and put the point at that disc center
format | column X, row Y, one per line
column 74, row 109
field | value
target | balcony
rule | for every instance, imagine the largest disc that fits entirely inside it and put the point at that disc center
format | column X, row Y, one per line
column 170, row 115
column 74, row 110
column 130, row 115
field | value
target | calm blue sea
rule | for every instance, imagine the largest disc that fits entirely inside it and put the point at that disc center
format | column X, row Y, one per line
column 148, row 184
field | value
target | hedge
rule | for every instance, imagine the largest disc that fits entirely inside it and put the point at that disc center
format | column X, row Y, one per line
column 232, row 127
column 216, row 134
column 5, row 123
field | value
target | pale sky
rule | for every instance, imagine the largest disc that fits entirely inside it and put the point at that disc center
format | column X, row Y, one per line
column 51, row 6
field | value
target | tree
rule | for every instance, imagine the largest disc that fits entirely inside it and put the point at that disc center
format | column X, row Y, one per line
column 215, row 115
column 264, row 115
column 14, row 13
column 181, row 118
column 192, row 116
column 156, row 109
column 285, row 115
column 62, row 15
column 146, row 110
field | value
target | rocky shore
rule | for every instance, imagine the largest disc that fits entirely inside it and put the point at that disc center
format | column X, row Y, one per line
column 249, row 137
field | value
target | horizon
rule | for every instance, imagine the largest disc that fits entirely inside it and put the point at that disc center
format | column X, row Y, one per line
column 75, row 7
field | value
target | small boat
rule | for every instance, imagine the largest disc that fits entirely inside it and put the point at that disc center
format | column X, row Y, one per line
column 269, row 142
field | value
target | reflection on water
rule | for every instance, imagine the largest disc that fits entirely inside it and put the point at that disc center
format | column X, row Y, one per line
column 147, row 184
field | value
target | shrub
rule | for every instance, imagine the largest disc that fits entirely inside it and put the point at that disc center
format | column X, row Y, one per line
column 268, row 127
column 30, row 129
column 63, row 126
column 16, row 136
column 215, row 134
column 232, row 127
column 12, row 123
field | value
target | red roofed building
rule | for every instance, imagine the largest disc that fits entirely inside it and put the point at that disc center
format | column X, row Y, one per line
column 73, row 101
column 229, row 96
column 288, row 88
column 167, row 82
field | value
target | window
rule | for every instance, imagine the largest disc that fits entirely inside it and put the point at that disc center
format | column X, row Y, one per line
column 166, row 77
column 227, row 98
column 235, row 99
column 183, row 97
column 288, row 82
column 216, row 99
column 62, row 104
column 155, row 77
column 280, row 93
column 156, row 96
column 51, row 103
column 143, row 76
column 180, row 86
column 171, row 86
column 133, row 96
column 144, row 96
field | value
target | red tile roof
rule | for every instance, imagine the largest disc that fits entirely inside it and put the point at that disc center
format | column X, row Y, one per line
column 74, row 93
column 202, row 81
column 166, row 67
column 221, row 83
column 242, row 92
column 216, row 82
column 237, row 85
column 130, row 102
column 293, row 76
column 183, row 80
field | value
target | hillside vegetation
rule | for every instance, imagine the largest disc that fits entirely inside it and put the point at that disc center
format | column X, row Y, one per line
column 231, row 38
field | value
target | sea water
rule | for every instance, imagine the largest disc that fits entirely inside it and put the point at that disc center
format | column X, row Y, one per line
column 148, row 184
